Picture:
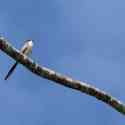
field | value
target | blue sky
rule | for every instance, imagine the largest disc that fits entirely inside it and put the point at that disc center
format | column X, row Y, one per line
column 84, row 39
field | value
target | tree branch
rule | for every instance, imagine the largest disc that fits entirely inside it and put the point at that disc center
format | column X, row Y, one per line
column 59, row 78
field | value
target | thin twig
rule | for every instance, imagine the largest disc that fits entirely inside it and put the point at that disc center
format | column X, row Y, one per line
column 59, row 78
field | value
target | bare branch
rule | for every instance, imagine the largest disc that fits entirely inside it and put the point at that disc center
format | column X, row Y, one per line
column 59, row 78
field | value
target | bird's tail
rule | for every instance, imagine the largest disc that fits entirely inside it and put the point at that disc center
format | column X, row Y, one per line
column 11, row 70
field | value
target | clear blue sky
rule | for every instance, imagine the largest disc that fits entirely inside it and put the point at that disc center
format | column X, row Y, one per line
column 84, row 39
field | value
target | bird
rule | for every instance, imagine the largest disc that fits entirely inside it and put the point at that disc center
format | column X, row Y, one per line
column 26, row 50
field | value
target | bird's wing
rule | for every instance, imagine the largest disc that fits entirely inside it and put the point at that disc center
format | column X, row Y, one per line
column 24, row 48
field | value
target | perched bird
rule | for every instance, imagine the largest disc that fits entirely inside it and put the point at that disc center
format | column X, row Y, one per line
column 26, row 49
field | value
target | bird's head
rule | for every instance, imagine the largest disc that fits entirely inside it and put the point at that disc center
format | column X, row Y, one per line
column 30, row 42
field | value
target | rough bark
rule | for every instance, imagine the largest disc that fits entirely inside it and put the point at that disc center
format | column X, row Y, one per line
column 58, row 78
